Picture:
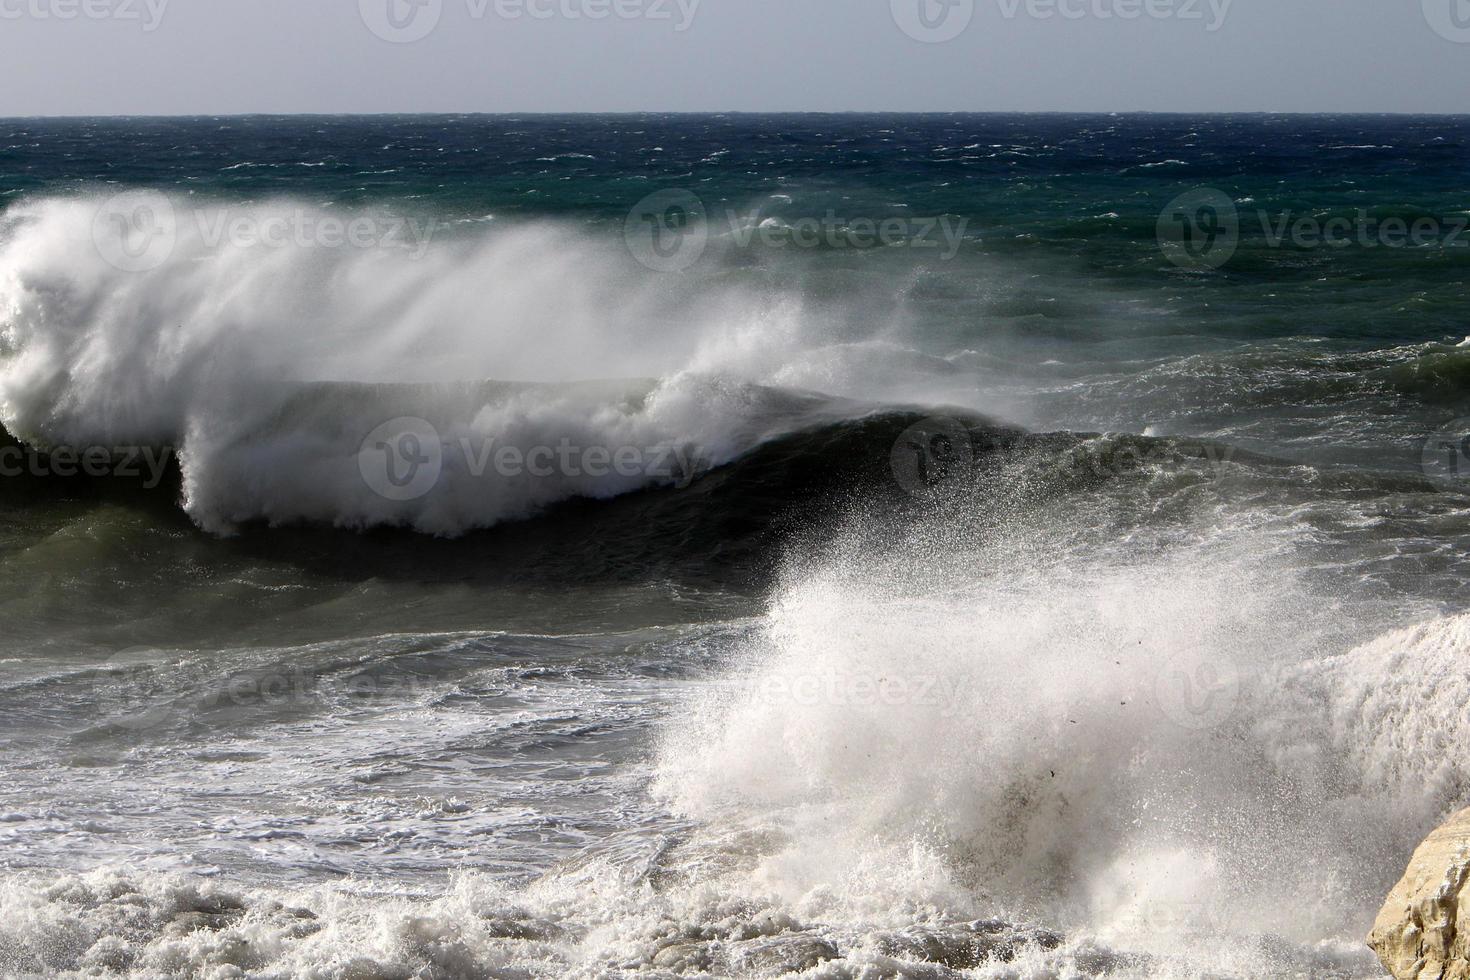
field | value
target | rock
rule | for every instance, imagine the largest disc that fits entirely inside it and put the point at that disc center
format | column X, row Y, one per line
column 1423, row 931
column 964, row 947
column 684, row 957
column 212, row 918
column 764, row 956
column 778, row 957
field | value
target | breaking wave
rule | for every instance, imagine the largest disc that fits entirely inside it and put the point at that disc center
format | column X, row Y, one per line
column 269, row 367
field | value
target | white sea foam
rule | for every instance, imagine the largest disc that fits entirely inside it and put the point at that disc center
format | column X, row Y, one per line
column 207, row 349
column 1154, row 747
column 857, row 837
column 1160, row 742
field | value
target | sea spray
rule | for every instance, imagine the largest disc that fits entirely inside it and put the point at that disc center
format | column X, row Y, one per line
column 1154, row 741
column 220, row 348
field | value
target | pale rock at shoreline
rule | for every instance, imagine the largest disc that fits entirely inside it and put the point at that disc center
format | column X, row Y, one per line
column 1423, row 931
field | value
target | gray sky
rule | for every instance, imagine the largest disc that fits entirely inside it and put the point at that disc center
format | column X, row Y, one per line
column 230, row 56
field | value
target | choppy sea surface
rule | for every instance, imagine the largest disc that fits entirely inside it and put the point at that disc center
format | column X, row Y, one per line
column 649, row 546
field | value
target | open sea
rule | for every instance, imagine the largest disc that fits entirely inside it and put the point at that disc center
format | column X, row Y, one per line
column 853, row 546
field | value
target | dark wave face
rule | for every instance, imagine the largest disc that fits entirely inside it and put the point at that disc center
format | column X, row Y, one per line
column 1024, row 545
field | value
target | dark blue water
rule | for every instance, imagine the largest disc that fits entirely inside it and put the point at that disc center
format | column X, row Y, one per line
column 1075, row 199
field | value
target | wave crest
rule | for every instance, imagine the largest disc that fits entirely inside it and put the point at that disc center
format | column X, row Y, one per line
column 274, row 369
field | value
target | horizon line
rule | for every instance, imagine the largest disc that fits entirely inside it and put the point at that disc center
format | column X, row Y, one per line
column 740, row 112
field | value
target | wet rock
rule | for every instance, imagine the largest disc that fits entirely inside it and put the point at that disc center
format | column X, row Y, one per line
column 1423, row 931
column 964, row 947
column 777, row 957
column 519, row 927
column 761, row 956
column 766, row 924
column 684, row 957
column 213, row 920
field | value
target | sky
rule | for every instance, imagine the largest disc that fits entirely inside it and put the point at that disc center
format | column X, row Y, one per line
column 105, row 57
